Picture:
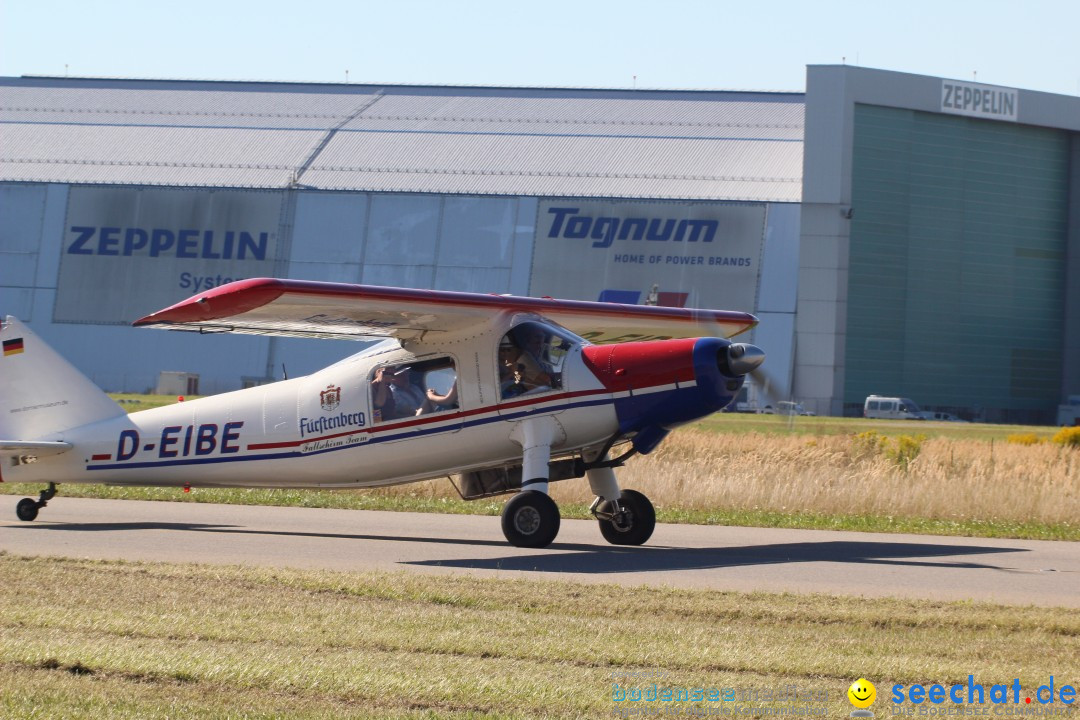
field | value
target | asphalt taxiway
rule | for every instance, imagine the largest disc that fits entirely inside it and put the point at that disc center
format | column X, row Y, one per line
column 685, row 556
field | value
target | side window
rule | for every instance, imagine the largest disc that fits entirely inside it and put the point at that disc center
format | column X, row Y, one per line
column 874, row 405
column 531, row 359
column 414, row 388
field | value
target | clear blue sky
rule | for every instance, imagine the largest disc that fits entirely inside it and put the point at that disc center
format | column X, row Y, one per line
column 678, row 44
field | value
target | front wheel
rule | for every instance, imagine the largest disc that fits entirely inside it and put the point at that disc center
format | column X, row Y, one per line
column 530, row 519
column 633, row 524
column 27, row 510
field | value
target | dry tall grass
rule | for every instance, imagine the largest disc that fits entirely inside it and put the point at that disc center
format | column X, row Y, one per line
column 865, row 474
column 948, row 479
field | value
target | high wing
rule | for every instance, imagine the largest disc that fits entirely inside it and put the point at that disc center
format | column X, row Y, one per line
column 269, row 306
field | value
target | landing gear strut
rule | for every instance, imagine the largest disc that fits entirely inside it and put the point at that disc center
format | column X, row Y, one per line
column 626, row 516
column 530, row 519
column 27, row 509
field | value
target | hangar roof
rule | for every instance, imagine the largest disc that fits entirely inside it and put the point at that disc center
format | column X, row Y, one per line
column 685, row 144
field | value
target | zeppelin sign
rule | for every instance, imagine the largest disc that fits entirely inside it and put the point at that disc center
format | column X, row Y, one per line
column 985, row 101
column 126, row 251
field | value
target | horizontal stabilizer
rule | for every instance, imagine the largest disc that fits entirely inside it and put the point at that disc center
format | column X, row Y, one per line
column 9, row 448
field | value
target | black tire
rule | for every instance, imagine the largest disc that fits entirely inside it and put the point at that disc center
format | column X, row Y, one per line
column 530, row 519
column 27, row 509
column 635, row 524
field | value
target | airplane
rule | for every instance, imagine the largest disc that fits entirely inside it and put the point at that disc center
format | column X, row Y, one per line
column 508, row 393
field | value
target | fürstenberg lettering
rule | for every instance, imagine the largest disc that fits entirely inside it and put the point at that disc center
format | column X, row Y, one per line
column 605, row 230
column 974, row 100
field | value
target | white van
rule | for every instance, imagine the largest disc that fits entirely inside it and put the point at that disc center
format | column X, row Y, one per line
column 891, row 408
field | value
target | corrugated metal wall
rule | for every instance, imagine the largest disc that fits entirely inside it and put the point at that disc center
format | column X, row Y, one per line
column 452, row 242
column 956, row 283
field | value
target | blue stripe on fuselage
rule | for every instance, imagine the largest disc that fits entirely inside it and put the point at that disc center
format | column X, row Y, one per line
column 451, row 428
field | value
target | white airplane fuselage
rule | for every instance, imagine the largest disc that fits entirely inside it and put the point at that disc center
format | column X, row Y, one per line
column 286, row 435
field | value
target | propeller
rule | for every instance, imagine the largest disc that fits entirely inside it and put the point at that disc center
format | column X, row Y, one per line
column 767, row 385
column 746, row 359
column 743, row 358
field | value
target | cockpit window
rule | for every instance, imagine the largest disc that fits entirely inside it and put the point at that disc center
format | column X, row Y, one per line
column 531, row 359
column 409, row 389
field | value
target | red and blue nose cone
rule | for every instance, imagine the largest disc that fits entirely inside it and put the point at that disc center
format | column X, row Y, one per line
column 661, row 384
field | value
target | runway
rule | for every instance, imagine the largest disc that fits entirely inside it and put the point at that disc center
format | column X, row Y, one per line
column 682, row 556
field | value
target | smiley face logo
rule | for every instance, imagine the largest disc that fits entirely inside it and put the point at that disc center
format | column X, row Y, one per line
column 862, row 693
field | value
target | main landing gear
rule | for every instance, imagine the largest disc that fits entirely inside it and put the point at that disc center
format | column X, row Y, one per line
column 27, row 509
column 530, row 519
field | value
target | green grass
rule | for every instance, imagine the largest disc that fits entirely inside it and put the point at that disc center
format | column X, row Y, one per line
column 405, row 499
column 134, row 402
column 133, row 640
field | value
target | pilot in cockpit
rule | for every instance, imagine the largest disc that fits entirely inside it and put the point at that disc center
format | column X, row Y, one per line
column 523, row 364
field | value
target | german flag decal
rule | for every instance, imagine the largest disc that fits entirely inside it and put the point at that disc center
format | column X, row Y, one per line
column 13, row 347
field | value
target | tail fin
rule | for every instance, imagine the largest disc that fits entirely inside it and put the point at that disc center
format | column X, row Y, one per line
column 42, row 393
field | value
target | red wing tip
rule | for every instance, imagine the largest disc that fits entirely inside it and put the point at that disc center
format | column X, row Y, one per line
column 148, row 320
column 233, row 298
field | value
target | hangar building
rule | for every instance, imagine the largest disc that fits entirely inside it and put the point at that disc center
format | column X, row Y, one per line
column 940, row 245
column 895, row 234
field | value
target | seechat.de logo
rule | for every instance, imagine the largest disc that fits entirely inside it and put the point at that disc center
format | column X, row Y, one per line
column 862, row 694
